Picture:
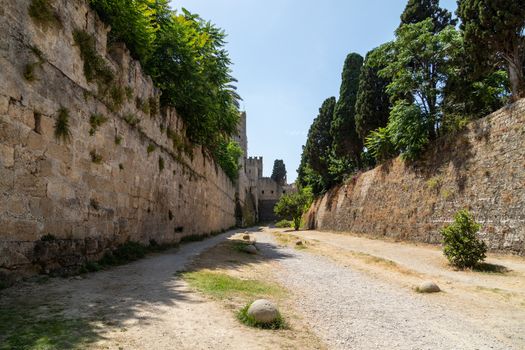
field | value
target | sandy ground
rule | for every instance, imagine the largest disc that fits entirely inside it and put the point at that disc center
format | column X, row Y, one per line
column 358, row 293
column 345, row 292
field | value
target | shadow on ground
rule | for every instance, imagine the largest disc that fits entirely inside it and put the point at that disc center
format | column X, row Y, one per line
column 69, row 313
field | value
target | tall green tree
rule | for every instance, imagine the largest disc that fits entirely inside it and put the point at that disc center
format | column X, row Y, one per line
column 418, row 64
column 279, row 172
column 186, row 58
column 346, row 141
column 307, row 177
column 418, row 10
column 494, row 34
column 292, row 206
column 318, row 149
column 373, row 103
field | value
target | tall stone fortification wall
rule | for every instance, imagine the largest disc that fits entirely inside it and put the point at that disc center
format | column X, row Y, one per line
column 481, row 169
column 54, row 189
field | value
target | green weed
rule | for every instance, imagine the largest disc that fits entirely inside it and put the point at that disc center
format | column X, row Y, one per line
column 246, row 319
column 222, row 286
column 96, row 121
column 62, row 125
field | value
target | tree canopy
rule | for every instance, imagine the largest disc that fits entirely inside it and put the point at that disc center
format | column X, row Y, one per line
column 186, row 58
column 318, row 150
column 494, row 35
column 293, row 205
column 418, row 10
column 428, row 82
column 346, row 142
column 373, row 103
column 279, row 172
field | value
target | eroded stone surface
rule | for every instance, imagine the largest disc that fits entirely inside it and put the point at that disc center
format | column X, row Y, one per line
column 53, row 187
column 481, row 168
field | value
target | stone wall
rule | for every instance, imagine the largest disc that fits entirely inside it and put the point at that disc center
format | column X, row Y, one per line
column 63, row 202
column 481, row 169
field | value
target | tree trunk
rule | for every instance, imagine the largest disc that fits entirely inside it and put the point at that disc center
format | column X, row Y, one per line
column 515, row 68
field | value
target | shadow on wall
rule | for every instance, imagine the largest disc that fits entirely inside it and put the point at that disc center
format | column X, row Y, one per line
column 63, row 314
column 455, row 149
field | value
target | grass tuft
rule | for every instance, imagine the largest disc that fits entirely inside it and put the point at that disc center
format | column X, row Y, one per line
column 29, row 71
column 95, row 67
column 131, row 119
column 151, row 148
column 48, row 238
column 95, row 157
column 62, row 125
column 118, row 140
column 242, row 315
column 223, row 286
column 96, row 120
column 42, row 12
column 24, row 328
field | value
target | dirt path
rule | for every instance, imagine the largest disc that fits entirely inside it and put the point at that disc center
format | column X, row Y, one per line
column 352, row 292
column 360, row 292
column 142, row 305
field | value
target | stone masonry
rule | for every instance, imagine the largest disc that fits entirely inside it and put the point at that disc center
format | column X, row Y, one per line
column 481, row 169
column 63, row 203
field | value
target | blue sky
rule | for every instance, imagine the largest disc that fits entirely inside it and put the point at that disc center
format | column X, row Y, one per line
column 288, row 57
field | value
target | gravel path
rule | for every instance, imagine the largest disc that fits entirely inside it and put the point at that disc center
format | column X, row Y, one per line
column 350, row 310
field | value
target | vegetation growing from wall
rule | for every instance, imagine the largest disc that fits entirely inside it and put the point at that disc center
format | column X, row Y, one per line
column 428, row 82
column 186, row 59
column 62, row 131
column 42, row 12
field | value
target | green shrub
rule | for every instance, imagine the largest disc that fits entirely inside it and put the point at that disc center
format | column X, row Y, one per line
column 379, row 144
column 29, row 71
column 131, row 119
column 116, row 98
column 126, row 252
column 161, row 163
column 284, row 224
column 48, row 238
column 151, row 148
column 118, row 140
column 185, row 57
column 293, row 205
column 95, row 67
column 62, row 125
column 246, row 319
column 96, row 120
column 227, row 153
column 461, row 246
column 95, row 157
column 153, row 106
column 92, row 266
column 42, row 11
column 408, row 130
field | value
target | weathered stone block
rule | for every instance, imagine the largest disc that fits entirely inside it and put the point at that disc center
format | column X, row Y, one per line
column 7, row 156
column 4, row 104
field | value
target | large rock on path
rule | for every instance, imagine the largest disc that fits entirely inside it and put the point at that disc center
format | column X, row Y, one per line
column 428, row 287
column 263, row 311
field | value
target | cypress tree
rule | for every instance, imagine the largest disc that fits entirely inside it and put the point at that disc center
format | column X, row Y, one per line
column 346, row 142
column 279, row 172
column 373, row 103
column 315, row 161
column 493, row 33
column 419, row 10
